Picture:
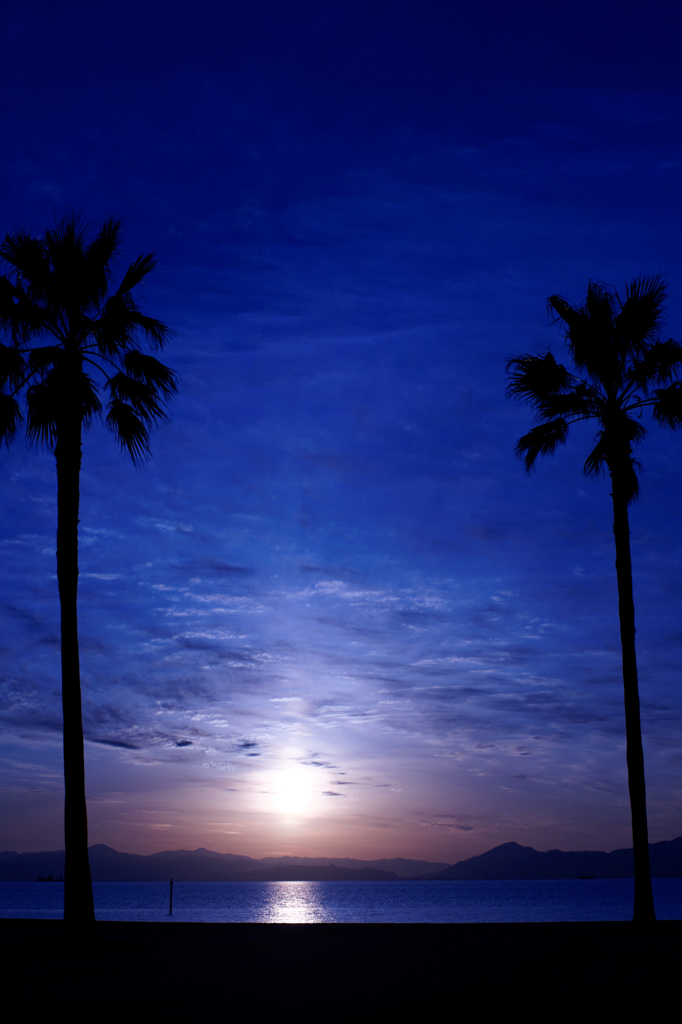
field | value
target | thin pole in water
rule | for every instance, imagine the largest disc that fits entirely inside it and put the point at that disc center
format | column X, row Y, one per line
column 171, row 897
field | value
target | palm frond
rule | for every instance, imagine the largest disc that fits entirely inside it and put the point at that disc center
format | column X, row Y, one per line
column 591, row 346
column 613, row 451
column 667, row 409
column 155, row 332
column 90, row 403
column 623, row 430
column 117, row 327
column 148, row 369
column 42, row 360
column 541, row 440
column 579, row 403
column 10, row 294
column 77, row 281
column 597, row 459
column 642, row 313
column 658, row 364
column 20, row 316
column 64, row 246
column 26, row 256
column 101, row 252
column 12, row 366
column 142, row 398
column 137, row 270
column 129, row 430
column 588, row 331
column 614, row 455
column 10, row 418
column 600, row 304
column 58, row 395
column 43, row 408
column 534, row 379
column 573, row 316
column 68, row 234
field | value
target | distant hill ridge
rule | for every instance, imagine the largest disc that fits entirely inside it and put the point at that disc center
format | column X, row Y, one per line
column 108, row 865
column 508, row 861
column 511, row 861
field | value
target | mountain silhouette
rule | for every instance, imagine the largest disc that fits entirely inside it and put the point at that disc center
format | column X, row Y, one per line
column 510, row 860
column 109, row 865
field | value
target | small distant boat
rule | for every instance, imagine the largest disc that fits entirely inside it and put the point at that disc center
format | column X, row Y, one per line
column 585, row 876
column 50, row 878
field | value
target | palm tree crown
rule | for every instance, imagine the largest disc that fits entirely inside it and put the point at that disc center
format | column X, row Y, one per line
column 621, row 368
column 59, row 288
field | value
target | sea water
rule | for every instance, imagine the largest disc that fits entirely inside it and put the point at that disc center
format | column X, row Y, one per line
column 317, row 902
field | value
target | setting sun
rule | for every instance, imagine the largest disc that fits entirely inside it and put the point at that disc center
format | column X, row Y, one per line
column 292, row 791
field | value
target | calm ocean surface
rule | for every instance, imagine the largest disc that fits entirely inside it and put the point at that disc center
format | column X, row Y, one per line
column 311, row 902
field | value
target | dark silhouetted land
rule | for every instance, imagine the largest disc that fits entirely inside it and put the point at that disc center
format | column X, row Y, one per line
column 343, row 972
column 511, row 861
column 508, row 861
column 109, row 865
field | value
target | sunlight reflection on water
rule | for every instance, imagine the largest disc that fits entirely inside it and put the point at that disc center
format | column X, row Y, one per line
column 295, row 903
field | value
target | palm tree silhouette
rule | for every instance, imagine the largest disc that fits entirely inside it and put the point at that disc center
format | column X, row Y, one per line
column 59, row 289
column 621, row 367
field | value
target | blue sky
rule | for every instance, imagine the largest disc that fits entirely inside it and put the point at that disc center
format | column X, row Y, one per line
column 333, row 580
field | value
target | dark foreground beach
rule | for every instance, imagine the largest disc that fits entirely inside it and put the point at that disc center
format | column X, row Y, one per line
column 334, row 972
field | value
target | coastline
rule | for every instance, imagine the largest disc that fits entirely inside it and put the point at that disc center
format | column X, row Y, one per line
column 329, row 972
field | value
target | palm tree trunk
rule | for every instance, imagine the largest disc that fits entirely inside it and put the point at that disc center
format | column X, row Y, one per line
column 644, row 912
column 79, row 912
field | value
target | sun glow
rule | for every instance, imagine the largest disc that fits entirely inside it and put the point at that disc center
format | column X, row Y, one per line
column 292, row 791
